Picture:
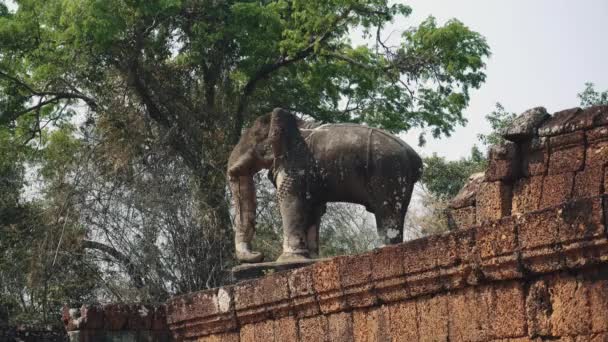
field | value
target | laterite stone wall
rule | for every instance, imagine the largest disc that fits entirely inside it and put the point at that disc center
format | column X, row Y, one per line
column 527, row 260
column 116, row 323
column 544, row 161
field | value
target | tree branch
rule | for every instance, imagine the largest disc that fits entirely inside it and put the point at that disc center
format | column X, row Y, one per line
column 131, row 268
column 267, row 69
column 57, row 96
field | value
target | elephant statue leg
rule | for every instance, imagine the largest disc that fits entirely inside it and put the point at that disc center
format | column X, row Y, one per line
column 390, row 217
column 312, row 233
column 244, row 190
column 295, row 213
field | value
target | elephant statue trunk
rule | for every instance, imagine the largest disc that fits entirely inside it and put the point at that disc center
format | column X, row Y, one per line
column 311, row 165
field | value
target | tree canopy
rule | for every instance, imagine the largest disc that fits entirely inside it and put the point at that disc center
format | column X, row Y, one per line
column 125, row 110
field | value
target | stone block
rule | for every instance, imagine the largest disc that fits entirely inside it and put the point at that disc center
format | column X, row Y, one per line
column 602, row 117
column 527, row 194
column 598, row 305
column 597, row 147
column 272, row 288
column 525, row 126
column 558, row 306
column 326, row 281
column 601, row 337
column 302, row 293
column 262, row 298
column 433, row 318
column 469, row 317
column 159, row 319
column 508, row 314
column 141, row 317
column 538, row 229
column 428, row 253
column 567, row 153
column 493, row 201
column 387, row 262
column 225, row 337
column 355, row 270
column 588, row 118
column 497, row 238
column 581, row 219
column 247, row 333
column 570, row 313
column 538, row 309
column 388, row 273
column 462, row 248
column 355, row 276
column 244, row 296
column 92, row 317
column 557, row 123
column 535, row 157
column 572, row 221
column 597, row 154
column 313, row 329
column 371, row 325
column 340, row 327
column 285, row 329
column 588, row 183
column 403, row 321
column 116, row 316
column 264, row 331
column 462, row 218
column 503, row 163
column 556, row 189
column 467, row 195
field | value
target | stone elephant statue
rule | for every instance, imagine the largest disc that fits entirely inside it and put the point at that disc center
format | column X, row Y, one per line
column 312, row 164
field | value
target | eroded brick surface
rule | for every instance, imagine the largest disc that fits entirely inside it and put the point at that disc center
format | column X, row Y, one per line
column 527, row 194
column 340, row 327
column 403, row 321
column 497, row 238
column 313, row 329
column 588, row 182
column 567, row 152
column 531, row 265
column 556, row 189
column 462, row 218
column 493, row 201
column 535, row 157
column 433, row 318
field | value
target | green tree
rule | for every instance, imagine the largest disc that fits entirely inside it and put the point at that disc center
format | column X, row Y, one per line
column 499, row 119
column 591, row 97
column 444, row 178
column 163, row 89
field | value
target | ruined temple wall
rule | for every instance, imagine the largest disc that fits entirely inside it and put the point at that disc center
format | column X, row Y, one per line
column 116, row 323
column 529, row 263
column 545, row 161
column 542, row 274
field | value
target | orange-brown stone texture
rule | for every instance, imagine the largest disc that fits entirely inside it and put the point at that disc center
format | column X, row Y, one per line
column 526, row 260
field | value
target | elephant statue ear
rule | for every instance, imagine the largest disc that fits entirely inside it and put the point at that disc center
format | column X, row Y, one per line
column 283, row 132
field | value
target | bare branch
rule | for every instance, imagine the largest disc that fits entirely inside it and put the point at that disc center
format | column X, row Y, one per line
column 118, row 256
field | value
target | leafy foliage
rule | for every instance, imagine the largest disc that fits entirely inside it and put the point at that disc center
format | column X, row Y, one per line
column 444, row 178
column 499, row 119
column 591, row 97
column 127, row 110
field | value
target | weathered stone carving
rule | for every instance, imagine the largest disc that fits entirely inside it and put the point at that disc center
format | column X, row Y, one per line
column 311, row 165
column 525, row 126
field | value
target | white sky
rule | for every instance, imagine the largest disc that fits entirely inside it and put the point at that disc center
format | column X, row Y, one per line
column 543, row 51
